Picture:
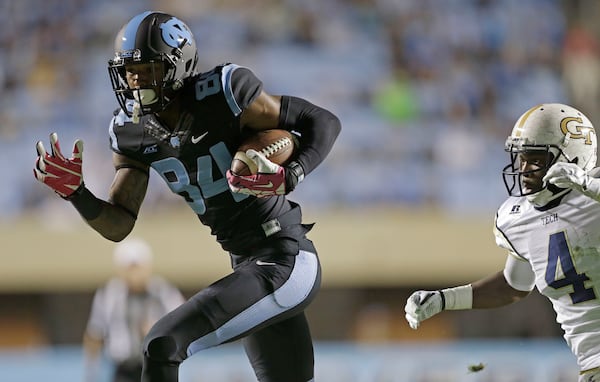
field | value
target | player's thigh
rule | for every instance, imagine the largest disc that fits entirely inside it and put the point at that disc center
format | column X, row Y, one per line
column 282, row 351
column 220, row 313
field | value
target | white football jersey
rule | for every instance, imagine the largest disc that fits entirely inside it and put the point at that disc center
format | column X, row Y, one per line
column 562, row 246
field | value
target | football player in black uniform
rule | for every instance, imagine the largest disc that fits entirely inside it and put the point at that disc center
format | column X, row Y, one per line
column 187, row 126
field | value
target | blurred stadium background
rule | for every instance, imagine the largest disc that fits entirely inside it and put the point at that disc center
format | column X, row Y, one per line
column 426, row 90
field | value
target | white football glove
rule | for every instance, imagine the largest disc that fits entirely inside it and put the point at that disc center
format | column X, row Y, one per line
column 566, row 175
column 569, row 175
column 422, row 305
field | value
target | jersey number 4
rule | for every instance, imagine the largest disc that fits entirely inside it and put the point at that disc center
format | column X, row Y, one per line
column 559, row 252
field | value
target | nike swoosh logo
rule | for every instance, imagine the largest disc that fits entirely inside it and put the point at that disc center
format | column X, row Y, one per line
column 260, row 262
column 268, row 185
column 199, row 138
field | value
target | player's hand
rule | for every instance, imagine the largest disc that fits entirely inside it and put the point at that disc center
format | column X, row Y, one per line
column 422, row 305
column 62, row 175
column 567, row 175
column 268, row 181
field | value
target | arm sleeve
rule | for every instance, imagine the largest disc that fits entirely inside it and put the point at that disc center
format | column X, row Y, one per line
column 518, row 274
column 317, row 129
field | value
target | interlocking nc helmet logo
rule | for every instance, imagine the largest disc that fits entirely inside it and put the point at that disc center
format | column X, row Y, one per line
column 174, row 31
column 577, row 131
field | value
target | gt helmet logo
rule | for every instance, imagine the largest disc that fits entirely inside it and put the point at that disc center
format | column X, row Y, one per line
column 581, row 132
column 174, row 32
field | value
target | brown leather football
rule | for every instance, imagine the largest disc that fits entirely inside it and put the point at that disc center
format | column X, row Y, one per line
column 277, row 145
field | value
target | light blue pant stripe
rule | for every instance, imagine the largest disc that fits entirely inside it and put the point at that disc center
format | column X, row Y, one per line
column 290, row 294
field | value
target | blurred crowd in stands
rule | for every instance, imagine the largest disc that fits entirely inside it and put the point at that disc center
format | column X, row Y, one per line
column 427, row 90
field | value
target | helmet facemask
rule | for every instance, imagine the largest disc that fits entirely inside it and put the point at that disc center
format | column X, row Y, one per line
column 528, row 165
column 154, row 95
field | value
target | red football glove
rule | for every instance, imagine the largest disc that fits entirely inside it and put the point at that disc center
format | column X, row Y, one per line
column 62, row 175
column 268, row 181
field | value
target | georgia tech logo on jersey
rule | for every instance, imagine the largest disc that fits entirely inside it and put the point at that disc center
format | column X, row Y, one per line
column 174, row 32
column 576, row 130
column 552, row 218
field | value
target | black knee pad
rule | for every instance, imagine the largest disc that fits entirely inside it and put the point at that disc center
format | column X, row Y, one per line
column 161, row 349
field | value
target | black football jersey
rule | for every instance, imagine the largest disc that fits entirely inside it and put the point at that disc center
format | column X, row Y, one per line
column 194, row 157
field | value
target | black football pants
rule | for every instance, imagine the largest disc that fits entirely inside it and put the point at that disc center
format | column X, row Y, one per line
column 262, row 302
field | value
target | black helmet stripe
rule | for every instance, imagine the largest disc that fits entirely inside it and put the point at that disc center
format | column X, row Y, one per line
column 129, row 35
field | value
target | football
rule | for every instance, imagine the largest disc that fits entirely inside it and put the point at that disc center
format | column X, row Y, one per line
column 277, row 145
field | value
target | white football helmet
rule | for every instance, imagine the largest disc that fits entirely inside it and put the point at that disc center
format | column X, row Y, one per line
column 560, row 131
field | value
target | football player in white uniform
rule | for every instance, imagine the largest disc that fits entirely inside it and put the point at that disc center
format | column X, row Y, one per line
column 550, row 226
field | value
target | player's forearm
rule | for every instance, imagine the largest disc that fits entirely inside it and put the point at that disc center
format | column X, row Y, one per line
column 591, row 187
column 112, row 221
column 493, row 292
column 318, row 127
column 490, row 292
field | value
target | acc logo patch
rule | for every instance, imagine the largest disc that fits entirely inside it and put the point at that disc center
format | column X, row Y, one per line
column 174, row 32
column 151, row 149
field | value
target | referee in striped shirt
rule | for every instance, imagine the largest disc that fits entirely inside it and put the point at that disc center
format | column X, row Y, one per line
column 123, row 310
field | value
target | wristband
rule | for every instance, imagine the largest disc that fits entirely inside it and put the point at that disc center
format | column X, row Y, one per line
column 457, row 298
column 591, row 187
column 294, row 174
column 88, row 206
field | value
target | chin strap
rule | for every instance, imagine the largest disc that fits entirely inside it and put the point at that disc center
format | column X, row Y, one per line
column 142, row 97
column 136, row 113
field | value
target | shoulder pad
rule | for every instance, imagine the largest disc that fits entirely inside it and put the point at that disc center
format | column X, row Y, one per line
column 234, row 92
column 120, row 118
